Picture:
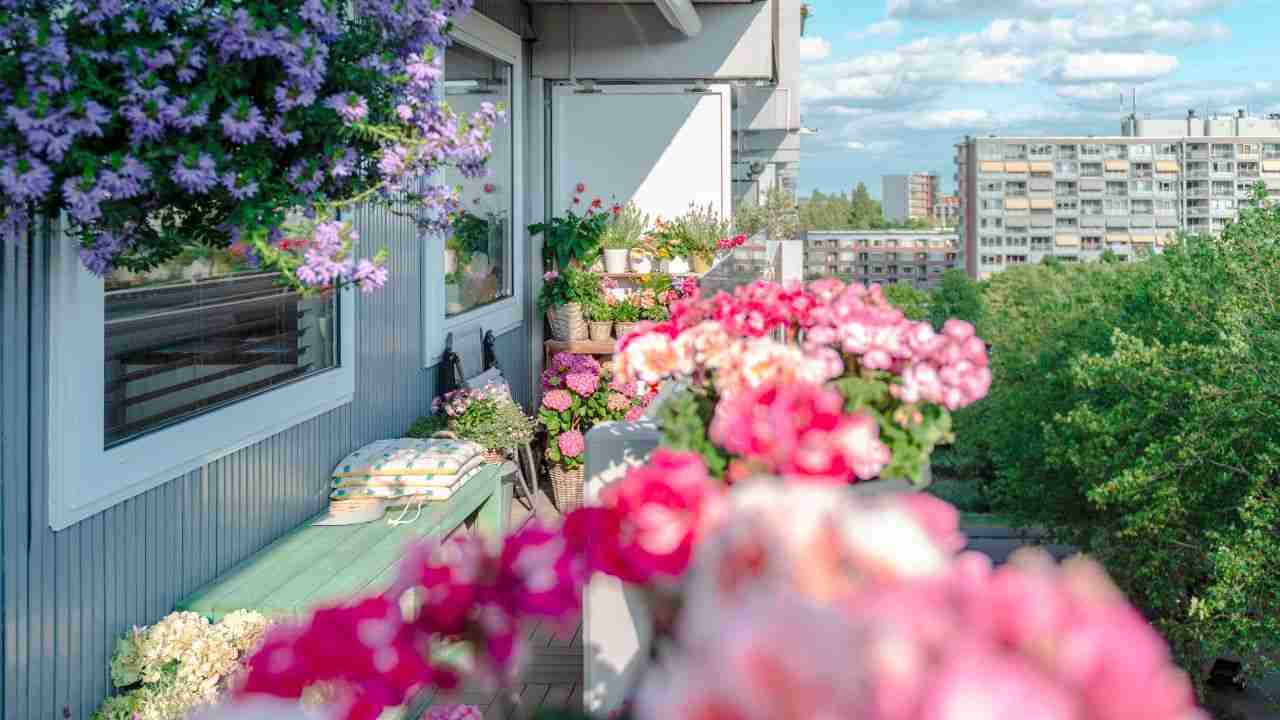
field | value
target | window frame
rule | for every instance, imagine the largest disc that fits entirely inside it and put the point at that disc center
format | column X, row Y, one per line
column 85, row 477
column 484, row 35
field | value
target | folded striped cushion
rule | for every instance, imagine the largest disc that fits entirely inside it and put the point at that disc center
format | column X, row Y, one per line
column 407, row 480
column 394, row 492
column 408, row 456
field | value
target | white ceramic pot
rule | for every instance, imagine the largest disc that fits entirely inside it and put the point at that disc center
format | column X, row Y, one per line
column 450, row 261
column 615, row 260
column 641, row 263
column 678, row 266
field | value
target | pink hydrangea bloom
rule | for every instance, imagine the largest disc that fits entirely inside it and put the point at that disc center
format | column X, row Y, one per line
column 571, row 443
column 635, row 413
column 558, row 400
column 619, row 402
column 583, row 383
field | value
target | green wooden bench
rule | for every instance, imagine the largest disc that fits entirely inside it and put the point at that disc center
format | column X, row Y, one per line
column 313, row 565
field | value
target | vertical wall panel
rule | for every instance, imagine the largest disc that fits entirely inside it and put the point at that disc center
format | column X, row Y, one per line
column 67, row 596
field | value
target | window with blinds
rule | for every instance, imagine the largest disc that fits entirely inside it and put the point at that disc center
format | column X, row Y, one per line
column 199, row 334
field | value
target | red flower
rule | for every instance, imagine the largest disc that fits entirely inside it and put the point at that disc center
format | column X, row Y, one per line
column 597, row 203
column 488, row 187
column 581, row 187
column 577, row 201
column 617, row 209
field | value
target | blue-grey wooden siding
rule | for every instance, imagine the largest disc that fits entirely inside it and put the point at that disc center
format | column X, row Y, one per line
column 68, row 595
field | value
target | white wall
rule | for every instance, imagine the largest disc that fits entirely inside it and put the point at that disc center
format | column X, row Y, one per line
column 634, row 42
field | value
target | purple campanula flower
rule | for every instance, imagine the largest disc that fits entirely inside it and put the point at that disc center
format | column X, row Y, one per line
column 94, row 117
column 26, row 180
column 144, row 124
column 243, row 125
column 369, row 276
column 99, row 258
column 289, row 97
column 185, row 115
column 424, row 73
column 393, row 163
column 240, row 187
column 84, row 204
column 198, row 178
column 279, row 137
column 344, row 165
column 100, row 11
column 317, row 15
column 306, row 177
column 131, row 25
column 127, row 181
column 190, row 59
column 351, row 107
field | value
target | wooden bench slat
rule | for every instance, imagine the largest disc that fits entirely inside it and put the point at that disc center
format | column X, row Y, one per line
column 313, row 565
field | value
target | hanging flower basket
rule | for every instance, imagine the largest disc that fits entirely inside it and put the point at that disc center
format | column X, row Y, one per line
column 566, row 486
column 568, row 323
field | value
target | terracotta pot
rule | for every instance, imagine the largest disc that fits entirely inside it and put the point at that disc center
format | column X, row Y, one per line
column 615, row 260
column 601, row 331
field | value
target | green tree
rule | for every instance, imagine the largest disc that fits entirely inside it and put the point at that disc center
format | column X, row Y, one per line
column 864, row 211
column 1135, row 413
column 957, row 296
column 912, row 302
column 860, row 211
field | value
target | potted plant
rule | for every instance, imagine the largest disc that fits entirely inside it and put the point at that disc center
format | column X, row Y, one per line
column 577, row 394
column 599, row 319
column 671, row 246
column 487, row 416
column 571, row 238
column 562, row 298
column 642, row 256
column 851, row 364
column 625, row 228
column 703, row 231
column 626, row 314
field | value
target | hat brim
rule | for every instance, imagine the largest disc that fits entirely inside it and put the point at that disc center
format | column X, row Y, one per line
column 347, row 512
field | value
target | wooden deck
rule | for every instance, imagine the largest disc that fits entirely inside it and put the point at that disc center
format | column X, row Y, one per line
column 553, row 678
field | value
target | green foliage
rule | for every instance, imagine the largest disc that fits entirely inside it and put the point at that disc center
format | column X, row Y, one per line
column 841, row 212
column 967, row 496
column 570, row 285
column 1135, row 413
column 625, row 229
column 571, row 238
column 778, row 218
column 912, row 302
column 427, row 425
column 684, row 419
column 496, row 424
column 957, row 296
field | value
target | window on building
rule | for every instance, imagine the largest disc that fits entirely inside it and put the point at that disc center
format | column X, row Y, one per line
column 1041, row 242
column 1016, row 151
column 991, row 241
column 1065, row 188
column 1167, row 149
column 1091, row 150
column 991, row 186
column 1015, row 241
column 1041, row 151
column 1249, row 149
column 1115, row 206
column 1091, row 242
column 478, row 258
column 1067, row 152
column 1224, row 187
column 990, row 151
column 993, row 222
column 1140, row 152
column 1220, row 167
column 1016, row 259
column 1142, row 169
column 1166, row 187
column 1015, row 187
column 1198, row 149
column 1091, row 206
column 1090, row 169
column 1116, row 152
column 1141, row 187
column 1222, row 204
column 1066, row 168
column 1142, row 206
column 1247, row 169
column 1223, row 150
column 1166, row 207
column 201, row 332
column 990, row 204
column 1067, row 223
column 1198, row 187
column 1117, row 188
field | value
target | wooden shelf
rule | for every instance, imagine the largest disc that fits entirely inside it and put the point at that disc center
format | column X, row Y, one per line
column 580, row 347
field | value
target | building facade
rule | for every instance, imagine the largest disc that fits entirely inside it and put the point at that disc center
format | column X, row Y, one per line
column 1024, row 199
column 909, row 197
column 881, row 256
column 946, row 210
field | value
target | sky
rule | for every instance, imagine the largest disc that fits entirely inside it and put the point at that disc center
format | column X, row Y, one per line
column 892, row 85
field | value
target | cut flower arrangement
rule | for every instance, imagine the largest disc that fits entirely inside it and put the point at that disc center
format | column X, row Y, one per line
column 822, row 382
column 488, row 416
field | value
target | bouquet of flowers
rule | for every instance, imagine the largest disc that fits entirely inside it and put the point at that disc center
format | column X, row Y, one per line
column 179, row 664
column 824, row 381
column 578, row 393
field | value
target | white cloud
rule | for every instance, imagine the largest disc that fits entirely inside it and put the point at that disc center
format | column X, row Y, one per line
column 1095, row 66
column 872, row 146
column 813, row 49
column 939, row 9
column 1165, row 98
column 884, row 29
column 902, row 77
column 947, row 119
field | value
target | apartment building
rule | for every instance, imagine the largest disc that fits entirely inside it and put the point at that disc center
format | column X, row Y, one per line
column 881, row 256
column 909, row 197
column 1027, row 198
column 946, row 210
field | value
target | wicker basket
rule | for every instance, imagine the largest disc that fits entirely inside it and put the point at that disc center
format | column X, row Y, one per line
column 567, row 485
column 601, row 331
column 625, row 329
column 567, row 322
